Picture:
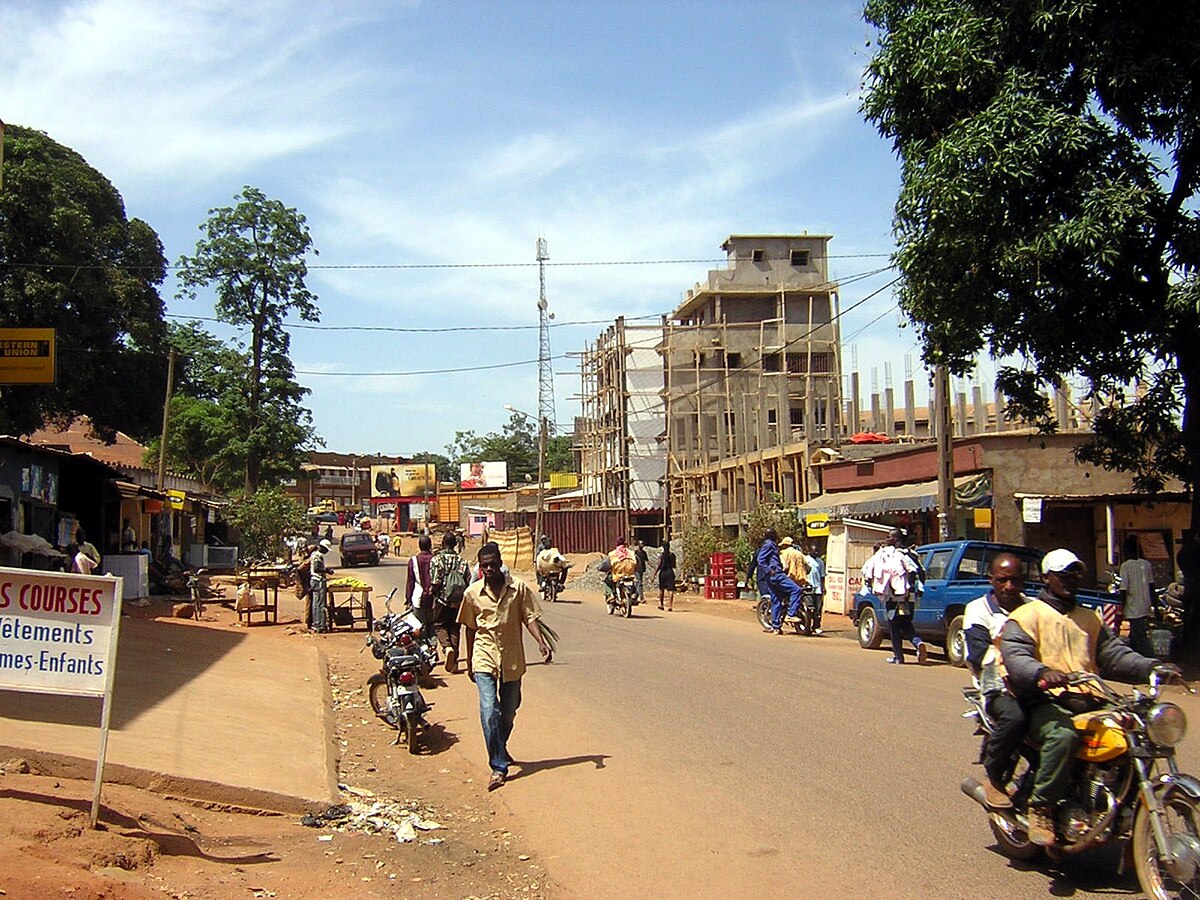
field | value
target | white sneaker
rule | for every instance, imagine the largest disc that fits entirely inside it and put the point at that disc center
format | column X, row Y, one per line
column 818, row 631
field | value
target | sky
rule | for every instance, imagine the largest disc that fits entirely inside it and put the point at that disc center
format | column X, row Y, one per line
column 430, row 144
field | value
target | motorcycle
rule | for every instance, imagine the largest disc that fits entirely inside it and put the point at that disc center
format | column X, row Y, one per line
column 382, row 542
column 624, row 597
column 807, row 621
column 395, row 692
column 551, row 585
column 1125, row 786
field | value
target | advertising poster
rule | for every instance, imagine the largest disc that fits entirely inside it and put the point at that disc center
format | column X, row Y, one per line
column 57, row 632
column 404, row 480
column 483, row 475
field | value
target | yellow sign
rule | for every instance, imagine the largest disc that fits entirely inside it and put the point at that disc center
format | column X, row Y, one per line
column 175, row 499
column 983, row 517
column 564, row 480
column 27, row 356
column 816, row 525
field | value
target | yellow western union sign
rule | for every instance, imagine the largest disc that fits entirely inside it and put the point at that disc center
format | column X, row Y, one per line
column 175, row 499
column 27, row 356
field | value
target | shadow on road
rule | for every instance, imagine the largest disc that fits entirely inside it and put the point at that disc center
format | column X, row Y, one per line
column 1093, row 872
column 540, row 765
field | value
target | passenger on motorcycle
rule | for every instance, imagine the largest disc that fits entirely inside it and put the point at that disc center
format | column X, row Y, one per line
column 551, row 564
column 621, row 564
column 983, row 621
column 1041, row 643
column 795, row 564
column 771, row 577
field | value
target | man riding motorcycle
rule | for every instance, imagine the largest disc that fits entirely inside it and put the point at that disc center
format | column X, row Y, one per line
column 551, row 563
column 1041, row 643
column 621, row 564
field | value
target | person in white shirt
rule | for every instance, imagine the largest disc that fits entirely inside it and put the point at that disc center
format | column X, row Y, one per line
column 1137, row 581
column 983, row 620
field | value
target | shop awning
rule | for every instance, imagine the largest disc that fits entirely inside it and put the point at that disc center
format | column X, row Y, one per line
column 920, row 496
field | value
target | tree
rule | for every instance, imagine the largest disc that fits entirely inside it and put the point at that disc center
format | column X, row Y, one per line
column 263, row 519
column 560, row 456
column 1050, row 166
column 71, row 261
column 254, row 253
column 209, row 419
column 446, row 470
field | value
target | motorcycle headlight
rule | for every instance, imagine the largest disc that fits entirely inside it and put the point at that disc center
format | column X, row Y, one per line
column 1166, row 724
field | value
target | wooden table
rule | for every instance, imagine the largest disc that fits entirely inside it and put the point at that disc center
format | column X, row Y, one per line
column 265, row 579
column 349, row 605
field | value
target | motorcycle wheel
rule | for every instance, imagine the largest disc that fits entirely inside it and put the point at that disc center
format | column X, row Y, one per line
column 627, row 607
column 410, row 732
column 764, row 612
column 377, row 693
column 612, row 606
column 1182, row 825
column 1013, row 842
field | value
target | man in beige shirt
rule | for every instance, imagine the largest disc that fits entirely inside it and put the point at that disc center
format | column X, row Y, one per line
column 493, row 611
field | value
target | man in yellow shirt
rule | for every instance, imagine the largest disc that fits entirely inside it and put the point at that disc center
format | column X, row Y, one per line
column 795, row 565
column 493, row 611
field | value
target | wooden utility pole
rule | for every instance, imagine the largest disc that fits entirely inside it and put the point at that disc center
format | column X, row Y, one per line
column 162, row 447
column 945, row 450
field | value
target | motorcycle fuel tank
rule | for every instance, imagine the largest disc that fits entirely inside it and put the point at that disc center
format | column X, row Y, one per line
column 1103, row 739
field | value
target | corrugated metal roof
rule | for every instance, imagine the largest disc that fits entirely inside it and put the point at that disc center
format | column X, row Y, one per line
column 919, row 496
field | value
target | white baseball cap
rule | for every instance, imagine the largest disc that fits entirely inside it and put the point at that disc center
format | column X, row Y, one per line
column 1060, row 560
column 325, row 545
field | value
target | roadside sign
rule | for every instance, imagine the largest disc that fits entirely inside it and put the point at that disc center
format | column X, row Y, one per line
column 27, row 356
column 983, row 517
column 175, row 500
column 816, row 525
column 1031, row 510
column 58, row 635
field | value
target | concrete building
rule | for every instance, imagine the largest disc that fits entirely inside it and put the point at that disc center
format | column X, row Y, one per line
column 752, row 366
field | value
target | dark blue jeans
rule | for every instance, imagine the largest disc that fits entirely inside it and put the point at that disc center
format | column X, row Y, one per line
column 498, row 703
column 781, row 588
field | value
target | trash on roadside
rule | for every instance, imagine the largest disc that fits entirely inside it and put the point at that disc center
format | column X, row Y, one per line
column 378, row 817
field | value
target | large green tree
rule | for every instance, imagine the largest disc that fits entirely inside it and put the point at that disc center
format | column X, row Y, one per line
column 70, row 260
column 209, row 422
column 515, row 444
column 1050, row 155
column 254, row 253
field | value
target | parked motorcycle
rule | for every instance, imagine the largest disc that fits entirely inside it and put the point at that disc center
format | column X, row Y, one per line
column 1125, row 786
column 624, row 597
column 808, row 622
column 395, row 692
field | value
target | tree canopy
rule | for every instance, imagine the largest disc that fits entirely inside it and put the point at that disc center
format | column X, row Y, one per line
column 1050, row 155
column 515, row 444
column 70, row 260
column 254, row 255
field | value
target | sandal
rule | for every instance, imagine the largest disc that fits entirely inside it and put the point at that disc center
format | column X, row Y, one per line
column 495, row 781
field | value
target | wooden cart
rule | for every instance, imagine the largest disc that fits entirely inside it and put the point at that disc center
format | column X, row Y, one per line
column 265, row 579
column 349, row 606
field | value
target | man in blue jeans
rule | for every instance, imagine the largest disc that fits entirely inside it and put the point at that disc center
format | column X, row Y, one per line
column 772, row 578
column 493, row 611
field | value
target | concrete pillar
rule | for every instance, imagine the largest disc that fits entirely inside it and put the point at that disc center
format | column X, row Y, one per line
column 980, row 410
column 960, row 413
column 910, row 408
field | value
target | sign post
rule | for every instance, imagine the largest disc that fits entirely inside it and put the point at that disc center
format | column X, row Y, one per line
column 58, row 635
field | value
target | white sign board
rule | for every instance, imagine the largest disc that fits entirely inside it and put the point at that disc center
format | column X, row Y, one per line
column 1031, row 510
column 58, row 635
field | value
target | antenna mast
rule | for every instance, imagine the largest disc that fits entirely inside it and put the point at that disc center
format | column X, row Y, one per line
column 545, row 370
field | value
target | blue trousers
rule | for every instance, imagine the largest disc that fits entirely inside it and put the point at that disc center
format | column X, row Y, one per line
column 320, row 612
column 782, row 587
column 498, row 703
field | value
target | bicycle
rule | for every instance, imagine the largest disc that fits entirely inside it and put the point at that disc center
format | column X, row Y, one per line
column 196, row 590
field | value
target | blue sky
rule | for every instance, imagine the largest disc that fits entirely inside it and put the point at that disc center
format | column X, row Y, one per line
column 421, row 133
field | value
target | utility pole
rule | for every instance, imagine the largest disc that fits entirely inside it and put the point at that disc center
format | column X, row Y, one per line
column 162, row 445
column 545, row 386
column 945, row 450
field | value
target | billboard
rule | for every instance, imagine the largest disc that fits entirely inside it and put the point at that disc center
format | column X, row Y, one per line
column 404, row 480
column 27, row 356
column 483, row 475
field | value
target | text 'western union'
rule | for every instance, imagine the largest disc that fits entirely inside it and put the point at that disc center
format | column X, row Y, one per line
column 14, row 349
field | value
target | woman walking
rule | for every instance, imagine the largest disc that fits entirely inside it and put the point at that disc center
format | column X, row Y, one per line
column 665, row 570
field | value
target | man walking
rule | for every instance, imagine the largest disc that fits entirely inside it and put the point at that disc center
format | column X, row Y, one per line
column 493, row 611
column 1137, row 580
column 418, row 583
column 449, row 575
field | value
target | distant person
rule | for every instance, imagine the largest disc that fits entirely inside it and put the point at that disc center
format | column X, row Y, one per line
column 795, row 564
column 128, row 538
column 493, row 612
column 774, row 582
column 665, row 570
column 892, row 574
column 643, row 563
column 417, row 585
column 87, row 547
column 1137, row 581
column 816, row 583
column 81, row 562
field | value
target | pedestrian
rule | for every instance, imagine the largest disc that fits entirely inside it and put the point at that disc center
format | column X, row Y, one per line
column 1137, row 582
column 893, row 575
column 319, row 611
column 775, row 583
column 449, row 575
column 816, row 583
column 493, row 611
column 86, row 546
column 643, row 563
column 128, row 538
column 417, row 585
column 329, row 534
column 304, row 588
column 665, row 569
column 80, row 561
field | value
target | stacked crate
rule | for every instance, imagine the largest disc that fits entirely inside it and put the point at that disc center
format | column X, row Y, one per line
column 721, row 583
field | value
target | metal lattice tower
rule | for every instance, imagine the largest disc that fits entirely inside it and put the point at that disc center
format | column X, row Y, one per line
column 545, row 369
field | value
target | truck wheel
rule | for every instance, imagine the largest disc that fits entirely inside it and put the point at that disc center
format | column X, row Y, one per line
column 956, row 643
column 870, row 635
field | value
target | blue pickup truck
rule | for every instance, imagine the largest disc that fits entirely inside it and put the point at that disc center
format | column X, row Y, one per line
column 955, row 574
